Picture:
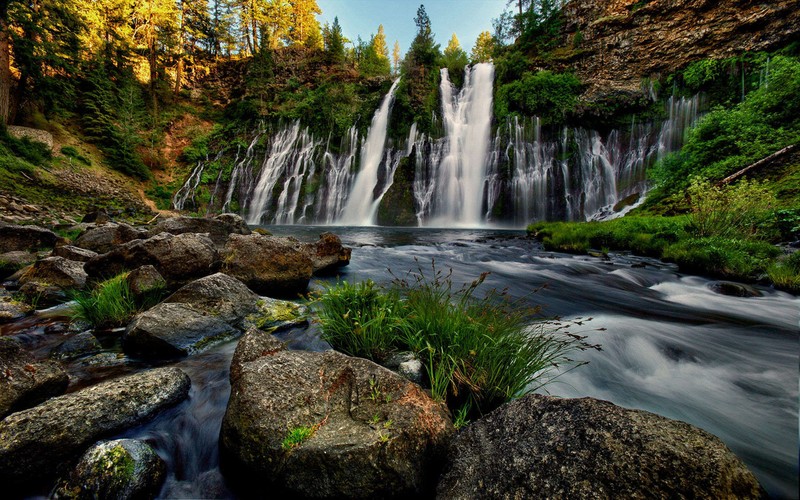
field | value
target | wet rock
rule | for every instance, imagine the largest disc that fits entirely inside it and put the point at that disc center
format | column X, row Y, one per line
column 178, row 259
column 25, row 382
column 103, row 238
column 11, row 262
column 374, row 434
column 37, row 441
column 145, row 281
column 217, row 228
column 733, row 289
column 327, row 254
column 268, row 265
column 11, row 308
column 15, row 238
column 407, row 365
column 77, row 254
column 120, row 469
column 546, row 447
column 77, row 346
column 203, row 313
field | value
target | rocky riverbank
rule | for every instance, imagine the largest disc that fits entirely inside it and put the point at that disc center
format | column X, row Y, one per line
column 317, row 424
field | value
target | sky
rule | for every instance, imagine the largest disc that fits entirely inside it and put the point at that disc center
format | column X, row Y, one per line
column 465, row 18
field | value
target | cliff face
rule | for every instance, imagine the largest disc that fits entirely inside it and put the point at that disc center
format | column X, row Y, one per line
column 626, row 41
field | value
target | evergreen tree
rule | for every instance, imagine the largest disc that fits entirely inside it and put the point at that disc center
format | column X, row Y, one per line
column 334, row 42
column 304, row 25
column 454, row 59
column 483, row 49
column 396, row 57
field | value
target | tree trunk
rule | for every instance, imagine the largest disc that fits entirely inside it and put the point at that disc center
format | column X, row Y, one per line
column 179, row 66
column 5, row 72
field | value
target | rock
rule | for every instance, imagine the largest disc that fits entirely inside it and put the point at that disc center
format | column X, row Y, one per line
column 103, row 238
column 412, row 370
column 326, row 254
column 25, row 382
column 57, row 271
column 268, row 265
column 11, row 308
column 204, row 313
column 373, row 433
column 77, row 346
column 178, row 259
column 144, row 281
column 71, row 252
column 217, row 228
column 733, row 289
column 99, row 216
column 546, row 447
column 27, row 238
column 35, row 442
column 120, row 469
column 174, row 330
column 11, row 262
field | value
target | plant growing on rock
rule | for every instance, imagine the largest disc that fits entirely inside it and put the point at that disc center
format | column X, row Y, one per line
column 111, row 302
column 477, row 352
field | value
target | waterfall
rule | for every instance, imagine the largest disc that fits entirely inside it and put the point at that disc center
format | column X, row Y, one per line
column 338, row 178
column 362, row 204
column 458, row 182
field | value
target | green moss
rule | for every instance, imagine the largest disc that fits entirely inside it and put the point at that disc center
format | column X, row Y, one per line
column 275, row 313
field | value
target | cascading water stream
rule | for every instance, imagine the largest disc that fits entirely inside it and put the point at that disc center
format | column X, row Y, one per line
column 459, row 179
column 361, row 202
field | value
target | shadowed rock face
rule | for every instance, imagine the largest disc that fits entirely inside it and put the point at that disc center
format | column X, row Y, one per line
column 25, row 382
column 545, row 447
column 625, row 41
column 16, row 238
column 374, row 434
column 37, row 441
column 217, row 228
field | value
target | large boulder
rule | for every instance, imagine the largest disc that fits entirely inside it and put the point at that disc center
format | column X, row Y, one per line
column 203, row 313
column 327, row 254
column 269, row 265
column 47, row 281
column 74, row 253
column 102, row 238
column 369, row 432
column 144, row 282
column 178, row 259
column 40, row 440
column 121, row 469
column 218, row 228
column 546, row 447
column 25, row 238
column 24, row 382
column 11, row 262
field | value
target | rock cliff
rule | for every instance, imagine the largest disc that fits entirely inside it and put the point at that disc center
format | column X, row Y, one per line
column 621, row 43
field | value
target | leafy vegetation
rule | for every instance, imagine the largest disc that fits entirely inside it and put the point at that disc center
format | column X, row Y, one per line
column 477, row 352
column 548, row 95
column 111, row 302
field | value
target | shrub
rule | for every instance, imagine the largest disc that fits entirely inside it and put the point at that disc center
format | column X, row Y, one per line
column 477, row 352
column 741, row 210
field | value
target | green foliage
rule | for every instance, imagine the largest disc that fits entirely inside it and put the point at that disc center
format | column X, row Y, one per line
column 361, row 320
column 787, row 222
column 111, row 303
column 71, row 152
column 454, row 59
column 743, row 210
column 727, row 140
column 722, row 257
column 33, row 152
column 478, row 352
column 785, row 273
column 551, row 96
column 334, row 42
column 296, row 437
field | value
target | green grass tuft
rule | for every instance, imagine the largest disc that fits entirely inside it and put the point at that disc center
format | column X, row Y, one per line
column 297, row 436
column 111, row 302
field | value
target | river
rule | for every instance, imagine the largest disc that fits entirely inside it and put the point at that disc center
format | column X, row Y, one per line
column 670, row 345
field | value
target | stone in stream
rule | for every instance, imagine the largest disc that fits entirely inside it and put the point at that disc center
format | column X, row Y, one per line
column 268, row 265
column 547, row 447
column 217, row 228
column 178, row 259
column 203, row 313
column 120, row 469
column 102, row 238
column 327, row 254
column 372, row 433
column 24, row 382
column 40, row 440
column 78, row 346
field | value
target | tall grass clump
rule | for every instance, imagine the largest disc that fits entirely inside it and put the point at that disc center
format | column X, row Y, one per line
column 477, row 352
column 785, row 273
column 742, row 210
column 111, row 302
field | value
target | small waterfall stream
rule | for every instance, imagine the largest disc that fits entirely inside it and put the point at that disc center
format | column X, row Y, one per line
column 465, row 178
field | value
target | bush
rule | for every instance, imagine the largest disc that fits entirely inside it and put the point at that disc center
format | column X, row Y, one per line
column 552, row 96
column 477, row 353
column 742, row 210
column 111, row 303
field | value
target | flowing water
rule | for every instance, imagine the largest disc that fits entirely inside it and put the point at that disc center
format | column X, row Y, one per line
column 670, row 345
